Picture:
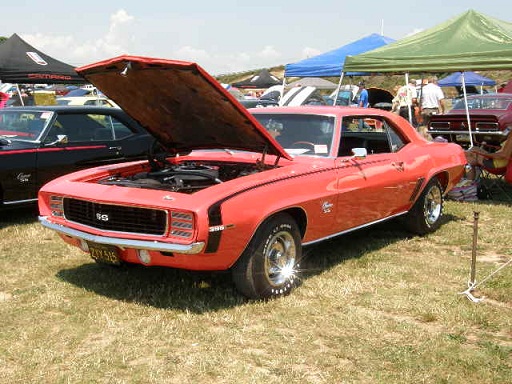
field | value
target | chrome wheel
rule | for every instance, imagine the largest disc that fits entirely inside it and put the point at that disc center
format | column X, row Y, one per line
column 280, row 257
column 426, row 214
column 269, row 266
column 433, row 205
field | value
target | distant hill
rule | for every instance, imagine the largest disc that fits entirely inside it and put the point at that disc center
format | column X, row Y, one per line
column 387, row 82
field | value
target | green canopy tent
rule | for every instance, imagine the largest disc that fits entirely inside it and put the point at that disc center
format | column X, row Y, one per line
column 471, row 41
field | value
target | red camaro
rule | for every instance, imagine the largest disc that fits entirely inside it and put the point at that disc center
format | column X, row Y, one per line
column 490, row 118
column 227, row 188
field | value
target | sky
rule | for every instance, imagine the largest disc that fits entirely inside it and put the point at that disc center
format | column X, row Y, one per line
column 222, row 36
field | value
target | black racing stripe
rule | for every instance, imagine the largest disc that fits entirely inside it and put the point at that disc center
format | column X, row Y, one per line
column 215, row 215
column 417, row 188
column 214, row 211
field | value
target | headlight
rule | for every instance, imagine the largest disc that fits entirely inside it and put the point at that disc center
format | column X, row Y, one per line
column 57, row 205
column 182, row 225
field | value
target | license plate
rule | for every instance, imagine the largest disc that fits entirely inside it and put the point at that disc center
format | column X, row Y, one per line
column 106, row 254
column 462, row 138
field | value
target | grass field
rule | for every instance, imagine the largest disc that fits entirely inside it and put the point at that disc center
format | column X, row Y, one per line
column 376, row 306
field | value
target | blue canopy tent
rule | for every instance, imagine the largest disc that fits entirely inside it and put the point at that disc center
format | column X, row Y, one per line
column 330, row 64
column 470, row 78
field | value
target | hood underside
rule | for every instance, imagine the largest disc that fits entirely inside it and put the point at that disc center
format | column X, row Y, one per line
column 180, row 104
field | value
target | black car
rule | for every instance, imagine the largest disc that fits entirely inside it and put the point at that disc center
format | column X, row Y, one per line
column 38, row 144
column 259, row 103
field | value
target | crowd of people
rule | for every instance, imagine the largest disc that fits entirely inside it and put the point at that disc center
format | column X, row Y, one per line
column 418, row 107
column 14, row 100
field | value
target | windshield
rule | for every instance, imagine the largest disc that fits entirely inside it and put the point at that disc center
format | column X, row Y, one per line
column 23, row 125
column 300, row 134
column 484, row 103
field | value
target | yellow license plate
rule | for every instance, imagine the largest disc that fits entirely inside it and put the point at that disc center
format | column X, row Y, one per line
column 106, row 254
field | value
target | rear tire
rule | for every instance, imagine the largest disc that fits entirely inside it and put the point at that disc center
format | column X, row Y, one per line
column 425, row 215
column 269, row 265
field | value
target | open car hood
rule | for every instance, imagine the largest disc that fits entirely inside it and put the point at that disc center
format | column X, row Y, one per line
column 180, row 104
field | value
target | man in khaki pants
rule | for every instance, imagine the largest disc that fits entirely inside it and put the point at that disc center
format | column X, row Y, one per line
column 432, row 100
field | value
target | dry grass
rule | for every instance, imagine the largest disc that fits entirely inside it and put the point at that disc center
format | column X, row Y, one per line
column 377, row 306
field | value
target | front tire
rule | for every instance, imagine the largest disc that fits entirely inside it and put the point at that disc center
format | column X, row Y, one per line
column 269, row 265
column 425, row 215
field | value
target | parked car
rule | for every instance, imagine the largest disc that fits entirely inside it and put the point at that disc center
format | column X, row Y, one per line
column 348, row 96
column 258, row 103
column 243, row 190
column 38, row 144
column 490, row 116
column 86, row 100
column 302, row 95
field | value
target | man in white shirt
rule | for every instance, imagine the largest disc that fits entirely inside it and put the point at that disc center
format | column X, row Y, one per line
column 432, row 100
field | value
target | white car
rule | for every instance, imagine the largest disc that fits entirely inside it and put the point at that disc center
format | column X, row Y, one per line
column 86, row 100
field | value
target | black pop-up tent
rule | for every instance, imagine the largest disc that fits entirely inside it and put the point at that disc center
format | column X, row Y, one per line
column 264, row 79
column 22, row 63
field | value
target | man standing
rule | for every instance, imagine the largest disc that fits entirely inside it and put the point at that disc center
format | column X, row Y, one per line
column 363, row 96
column 405, row 101
column 432, row 100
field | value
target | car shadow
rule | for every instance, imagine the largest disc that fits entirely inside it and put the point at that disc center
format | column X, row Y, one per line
column 200, row 292
column 158, row 287
column 327, row 254
column 17, row 216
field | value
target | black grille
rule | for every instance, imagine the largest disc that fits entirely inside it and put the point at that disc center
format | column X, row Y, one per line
column 116, row 217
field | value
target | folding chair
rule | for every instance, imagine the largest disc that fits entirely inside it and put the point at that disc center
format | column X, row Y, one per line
column 497, row 181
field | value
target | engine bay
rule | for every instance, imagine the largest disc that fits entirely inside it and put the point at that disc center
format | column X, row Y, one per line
column 185, row 177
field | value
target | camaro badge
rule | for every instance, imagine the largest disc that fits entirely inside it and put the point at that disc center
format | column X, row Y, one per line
column 23, row 177
column 218, row 228
column 326, row 207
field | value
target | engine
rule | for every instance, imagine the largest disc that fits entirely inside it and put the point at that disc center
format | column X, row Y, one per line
column 185, row 177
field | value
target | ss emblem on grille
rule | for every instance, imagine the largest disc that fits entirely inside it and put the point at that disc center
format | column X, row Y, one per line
column 101, row 216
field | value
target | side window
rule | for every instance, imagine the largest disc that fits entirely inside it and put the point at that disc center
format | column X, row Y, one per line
column 77, row 127
column 120, row 129
column 371, row 132
column 396, row 140
column 88, row 127
column 111, row 128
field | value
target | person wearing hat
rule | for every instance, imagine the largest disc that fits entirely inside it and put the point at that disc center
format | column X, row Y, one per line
column 363, row 96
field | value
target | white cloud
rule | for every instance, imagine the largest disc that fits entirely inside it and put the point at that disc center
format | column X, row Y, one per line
column 118, row 37
column 116, row 41
column 188, row 53
column 310, row 52
column 269, row 52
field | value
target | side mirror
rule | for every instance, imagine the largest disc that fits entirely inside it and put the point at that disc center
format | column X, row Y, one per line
column 61, row 139
column 359, row 153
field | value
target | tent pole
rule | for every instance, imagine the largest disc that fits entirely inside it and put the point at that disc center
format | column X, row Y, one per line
column 407, row 94
column 19, row 94
column 338, row 88
column 467, row 109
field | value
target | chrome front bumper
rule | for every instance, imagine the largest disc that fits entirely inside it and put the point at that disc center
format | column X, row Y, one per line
column 188, row 249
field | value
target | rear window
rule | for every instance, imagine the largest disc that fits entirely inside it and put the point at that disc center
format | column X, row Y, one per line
column 483, row 103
